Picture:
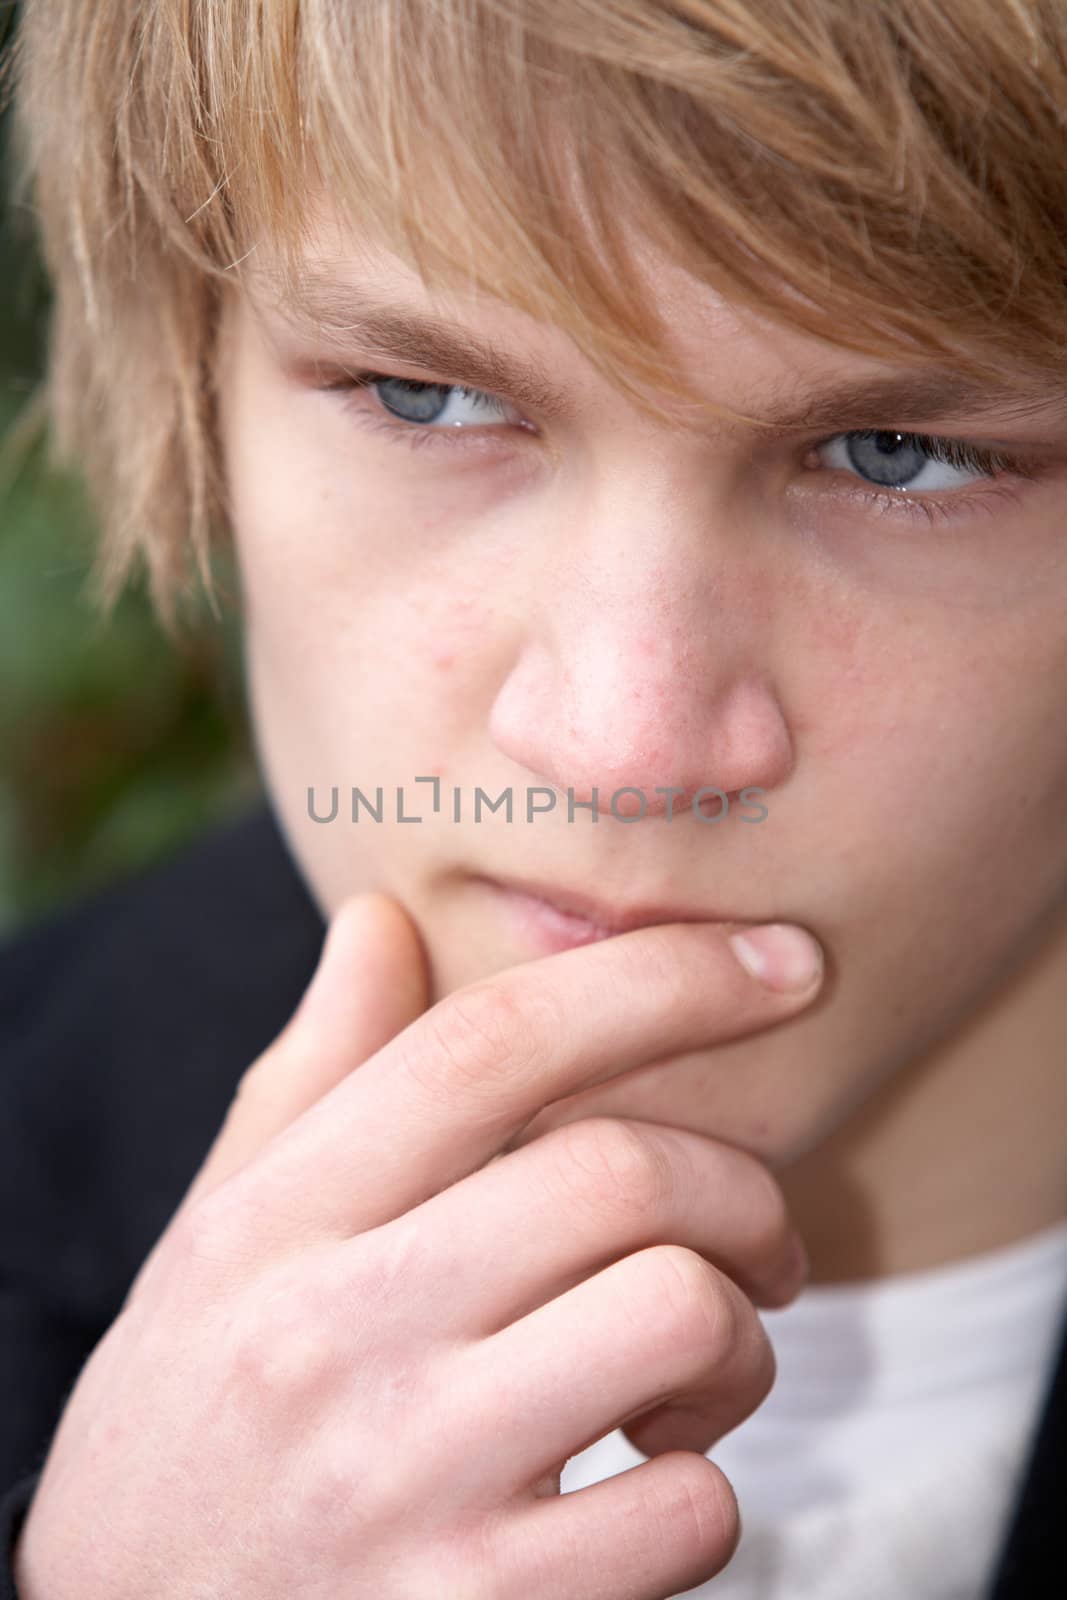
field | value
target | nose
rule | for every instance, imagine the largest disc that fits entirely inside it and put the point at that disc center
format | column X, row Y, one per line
column 649, row 672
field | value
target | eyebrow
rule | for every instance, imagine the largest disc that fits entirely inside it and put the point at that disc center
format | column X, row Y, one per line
column 342, row 310
column 385, row 332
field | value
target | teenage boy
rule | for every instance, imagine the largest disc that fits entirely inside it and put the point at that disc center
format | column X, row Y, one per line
column 651, row 417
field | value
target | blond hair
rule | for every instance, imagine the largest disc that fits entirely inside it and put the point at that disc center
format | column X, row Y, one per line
column 885, row 174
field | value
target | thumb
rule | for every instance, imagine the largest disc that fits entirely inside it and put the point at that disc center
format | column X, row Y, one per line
column 370, row 983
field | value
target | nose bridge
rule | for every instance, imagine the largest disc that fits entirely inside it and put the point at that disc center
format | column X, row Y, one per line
column 638, row 566
column 652, row 609
column 643, row 669
column 628, row 660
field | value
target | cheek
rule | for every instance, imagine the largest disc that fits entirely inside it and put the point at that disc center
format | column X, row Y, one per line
column 349, row 563
column 929, row 708
column 931, row 780
column 358, row 638
column 450, row 630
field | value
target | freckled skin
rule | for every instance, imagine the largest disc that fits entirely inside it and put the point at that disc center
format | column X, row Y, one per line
column 635, row 607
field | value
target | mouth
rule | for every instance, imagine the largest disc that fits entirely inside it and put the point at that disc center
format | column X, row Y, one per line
column 557, row 918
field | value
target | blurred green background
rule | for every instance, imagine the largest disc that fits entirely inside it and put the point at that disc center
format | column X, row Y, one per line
column 116, row 745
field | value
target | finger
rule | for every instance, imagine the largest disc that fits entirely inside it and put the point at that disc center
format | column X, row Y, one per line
column 661, row 1327
column 527, row 1228
column 655, row 1530
column 442, row 1097
column 371, row 981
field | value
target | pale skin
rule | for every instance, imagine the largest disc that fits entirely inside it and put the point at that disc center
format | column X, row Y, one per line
column 557, row 1187
column 604, row 601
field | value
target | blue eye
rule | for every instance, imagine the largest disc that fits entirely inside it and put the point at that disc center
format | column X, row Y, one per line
column 887, row 459
column 418, row 413
column 420, row 403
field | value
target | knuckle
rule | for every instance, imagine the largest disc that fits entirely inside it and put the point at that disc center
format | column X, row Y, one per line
column 698, row 1505
column 486, row 1033
column 205, row 1232
column 699, row 1300
column 216, row 1232
column 652, row 963
column 395, row 1266
column 195, row 1262
column 609, row 1165
column 280, row 1342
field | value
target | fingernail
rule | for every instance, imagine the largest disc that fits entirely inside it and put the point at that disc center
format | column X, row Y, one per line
column 780, row 955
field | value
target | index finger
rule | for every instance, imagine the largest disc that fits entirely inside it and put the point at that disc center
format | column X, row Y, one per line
column 444, row 1095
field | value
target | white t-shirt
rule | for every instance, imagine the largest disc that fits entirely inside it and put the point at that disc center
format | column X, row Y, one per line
column 885, row 1462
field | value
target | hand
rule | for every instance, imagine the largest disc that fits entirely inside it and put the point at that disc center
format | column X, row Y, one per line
column 358, row 1358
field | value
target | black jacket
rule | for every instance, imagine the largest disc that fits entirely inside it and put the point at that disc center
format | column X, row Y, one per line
column 125, row 1024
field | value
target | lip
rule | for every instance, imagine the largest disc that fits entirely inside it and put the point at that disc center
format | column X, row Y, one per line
column 586, row 918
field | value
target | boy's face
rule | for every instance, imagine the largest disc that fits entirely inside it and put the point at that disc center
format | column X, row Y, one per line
column 601, row 599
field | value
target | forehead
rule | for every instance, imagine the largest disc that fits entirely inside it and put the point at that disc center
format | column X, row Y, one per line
column 336, row 257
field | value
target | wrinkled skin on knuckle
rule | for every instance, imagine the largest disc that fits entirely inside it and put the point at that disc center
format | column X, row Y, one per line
column 698, row 1506
column 696, row 1303
column 483, row 1039
column 611, row 1170
column 651, row 965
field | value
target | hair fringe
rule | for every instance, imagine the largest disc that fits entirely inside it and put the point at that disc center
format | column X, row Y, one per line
column 882, row 174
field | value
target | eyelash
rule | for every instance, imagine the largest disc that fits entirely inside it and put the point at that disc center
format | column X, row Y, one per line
column 945, row 450
column 413, row 434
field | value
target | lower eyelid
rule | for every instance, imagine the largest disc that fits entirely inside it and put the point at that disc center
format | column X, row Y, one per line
column 947, row 505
